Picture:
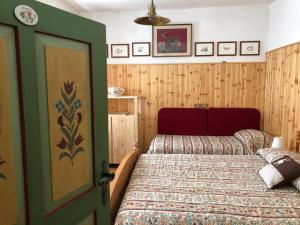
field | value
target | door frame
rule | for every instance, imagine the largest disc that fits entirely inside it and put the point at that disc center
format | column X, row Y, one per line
column 62, row 25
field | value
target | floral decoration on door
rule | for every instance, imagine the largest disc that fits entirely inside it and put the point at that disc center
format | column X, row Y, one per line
column 2, row 176
column 69, row 120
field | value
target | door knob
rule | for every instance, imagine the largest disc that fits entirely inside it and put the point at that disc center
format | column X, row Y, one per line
column 106, row 178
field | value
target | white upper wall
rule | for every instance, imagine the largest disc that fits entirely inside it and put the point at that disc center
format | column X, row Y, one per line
column 284, row 23
column 275, row 24
column 68, row 6
column 134, row 5
column 234, row 23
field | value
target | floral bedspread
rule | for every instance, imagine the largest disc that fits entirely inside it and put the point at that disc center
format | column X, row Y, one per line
column 184, row 144
column 183, row 189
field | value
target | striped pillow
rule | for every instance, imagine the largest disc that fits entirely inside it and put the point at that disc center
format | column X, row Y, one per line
column 254, row 139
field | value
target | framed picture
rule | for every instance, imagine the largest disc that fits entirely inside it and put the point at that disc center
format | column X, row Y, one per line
column 248, row 48
column 141, row 49
column 204, row 49
column 172, row 40
column 119, row 51
column 227, row 48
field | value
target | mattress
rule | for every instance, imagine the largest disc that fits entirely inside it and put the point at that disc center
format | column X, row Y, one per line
column 184, row 144
column 205, row 189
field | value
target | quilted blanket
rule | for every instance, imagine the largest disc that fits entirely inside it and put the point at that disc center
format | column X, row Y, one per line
column 184, row 189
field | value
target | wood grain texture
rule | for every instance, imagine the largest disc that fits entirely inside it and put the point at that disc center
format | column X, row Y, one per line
column 184, row 85
column 121, row 130
column 282, row 93
column 124, row 127
column 119, row 184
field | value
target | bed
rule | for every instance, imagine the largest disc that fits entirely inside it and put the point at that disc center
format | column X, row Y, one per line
column 226, row 131
column 205, row 189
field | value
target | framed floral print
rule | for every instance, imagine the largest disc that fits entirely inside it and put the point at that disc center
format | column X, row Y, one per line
column 248, row 48
column 172, row 40
column 227, row 48
column 119, row 51
column 141, row 49
column 204, row 49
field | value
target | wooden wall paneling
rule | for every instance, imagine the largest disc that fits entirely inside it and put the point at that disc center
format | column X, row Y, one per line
column 297, row 119
column 184, row 85
column 281, row 109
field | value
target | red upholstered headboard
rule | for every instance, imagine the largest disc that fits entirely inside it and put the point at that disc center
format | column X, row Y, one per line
column 212, row 121
column 182, row 121
column 227, row 121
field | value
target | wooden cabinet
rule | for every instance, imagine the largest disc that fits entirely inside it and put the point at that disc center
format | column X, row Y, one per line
column 123, row 127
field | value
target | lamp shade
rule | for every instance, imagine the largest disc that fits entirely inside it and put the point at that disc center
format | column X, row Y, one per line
column 278, row 142
column 152, row 18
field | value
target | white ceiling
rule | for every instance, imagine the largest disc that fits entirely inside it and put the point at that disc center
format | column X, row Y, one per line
column 129, row 5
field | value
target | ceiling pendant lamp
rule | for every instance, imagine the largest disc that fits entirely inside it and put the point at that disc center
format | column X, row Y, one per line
column 152, row 18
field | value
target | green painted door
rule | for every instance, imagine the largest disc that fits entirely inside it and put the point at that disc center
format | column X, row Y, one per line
column 55, row 105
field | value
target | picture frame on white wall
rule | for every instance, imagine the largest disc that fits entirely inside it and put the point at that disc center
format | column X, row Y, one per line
column 227, row 48
column 249, row 48
column 119, row 51
column 204, row 49
column 141, row 49
column 172, row 40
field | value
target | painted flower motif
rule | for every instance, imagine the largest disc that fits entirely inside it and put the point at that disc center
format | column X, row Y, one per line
column 60, row 106
column 69, row 121
column 62, row 144
column 78, row 140
column 68, row 87
column 60, row 121
column 79, row 116
column 77, row 104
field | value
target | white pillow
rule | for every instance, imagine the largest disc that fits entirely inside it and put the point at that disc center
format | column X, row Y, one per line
column 271, row 176
column 280, row 171
column 271, row 154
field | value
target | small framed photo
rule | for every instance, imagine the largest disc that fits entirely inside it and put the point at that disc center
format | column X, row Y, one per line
column 227, row 48
column 119, row 51
column 141, row 49
column 248, row 48
column 172, row 40
column 204, row 49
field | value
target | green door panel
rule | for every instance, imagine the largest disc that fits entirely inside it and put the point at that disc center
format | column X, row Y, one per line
column 12, row 206
column 59, row 29
column 42, row 42
column 90, row 220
